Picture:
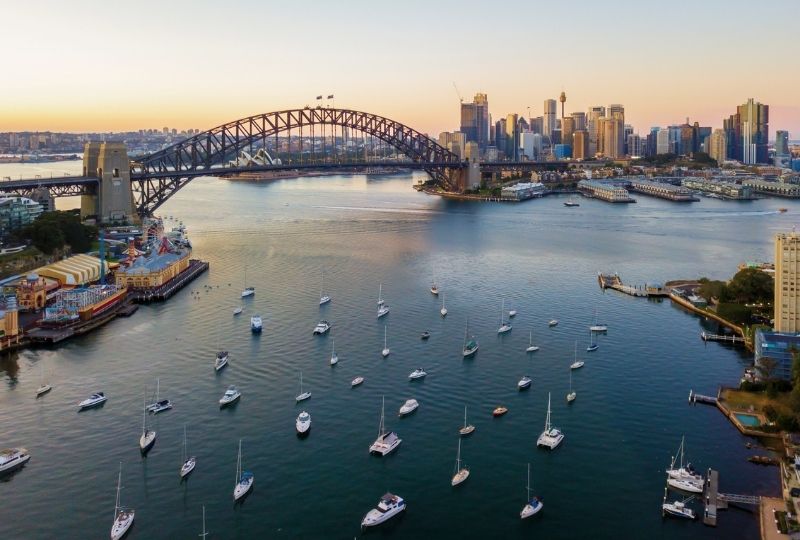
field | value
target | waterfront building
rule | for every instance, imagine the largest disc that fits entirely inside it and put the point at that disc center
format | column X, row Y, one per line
column 17, row 212
column 747, row 133
column 32, row 292
column 661, row 189
column 787, row 284
column 718, row 146
column 580, row 144
column 549, row 117
column 782, row 143
column 523, row 191
column 475, row 120
column 81, row 304
column 720, row 188
column 606, row 191
column 10, row 331
column 779, row 347
column 164, row 262
column 778, row 189
column 74, row 271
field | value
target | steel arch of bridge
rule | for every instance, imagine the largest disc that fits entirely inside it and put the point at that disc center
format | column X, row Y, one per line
column 158, row 176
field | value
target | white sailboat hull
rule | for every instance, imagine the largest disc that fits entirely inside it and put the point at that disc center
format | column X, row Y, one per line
column 530, row 510
column 242, row 488
column 188, row 466
column 122, row 523
column 459, row 477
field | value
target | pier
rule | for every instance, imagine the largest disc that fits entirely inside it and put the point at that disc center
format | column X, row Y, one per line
column 713, row 500
column 51, row 336
column 730, row 338
column 613, row 281
column 699, row 398
column 159, row 294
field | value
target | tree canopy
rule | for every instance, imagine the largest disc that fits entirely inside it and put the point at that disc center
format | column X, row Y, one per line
column 54, row 230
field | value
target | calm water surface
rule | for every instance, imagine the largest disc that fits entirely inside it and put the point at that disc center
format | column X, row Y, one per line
column 605, row 481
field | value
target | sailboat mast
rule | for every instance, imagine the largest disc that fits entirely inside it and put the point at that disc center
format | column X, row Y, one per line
column 239, row 464
column 465, row 416
column 119, row 483
column 322, row 285
column 204, row 533
column 381, row 427
column 144, row 412
column 528, row 485
column 547, row 421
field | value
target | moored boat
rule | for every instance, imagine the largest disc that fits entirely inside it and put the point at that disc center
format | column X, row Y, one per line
column 96, row 399
column 12, row 459
column 499, row 411
column 231, row 395
column 408, row 407
column 389, row 506
column 551, row 437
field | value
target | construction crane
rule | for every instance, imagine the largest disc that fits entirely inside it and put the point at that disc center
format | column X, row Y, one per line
column 460, row 99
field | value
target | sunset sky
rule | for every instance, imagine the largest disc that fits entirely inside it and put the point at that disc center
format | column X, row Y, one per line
column 106, row 66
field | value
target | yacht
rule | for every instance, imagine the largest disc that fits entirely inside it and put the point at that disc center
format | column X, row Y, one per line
column 470, row 345
column 534, row 504
column 677, row 508
column 592, row 345
column 460, row 473
column 160, row 406
column 303, row 423
column 685, row 472
column 221, row 360
column 94, row 400
column 551, row 437
column 389, row 506
column 466, row 429
column 531, row 346
column 244, row 479
column 43, row 386
column 576, row 364
column 571, row 204
column 302, row 396
column 418, row 373
column 231, row 395
column 686, row 484
column 552, row 323
column 12, row 459
column 238, row 310
column 443, row 311
column 383, row 310
column 148, row 437
column 425, row 335
column 248, row 291
column 322, row 328
column 387, row 441
column 323, row 298
column 189, row 462
column 499, row 411
column 357, row 381
column 334, row 357
column 123, row 517
column 385, row 352
column 524, row 383
column 504, row 325
column 256, row 324
column 408, row 407
column 597, row 327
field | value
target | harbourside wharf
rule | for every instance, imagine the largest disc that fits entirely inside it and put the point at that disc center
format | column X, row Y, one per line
column 613, row 281
column 662, row 190
column 56, row 334
column 165, row 291
column 729, row 338
column 605, row 191
column 699, row 398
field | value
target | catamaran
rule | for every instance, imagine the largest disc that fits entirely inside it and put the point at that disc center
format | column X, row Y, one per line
column 534, row 504
column 123, row 517
column 551, row 437
column 460, row 473
column 323, row 298
column 470, row 345
column 504, row 325
column 385, row 352
column 387, row 441
column 467, row 428
column 189, row 462
column 302, row 395
column 389, row 506
column 148, row 438
column 334, row 357
column 43, row 387
column 244, row 479
column 531, row 346
column 597, row 327
column 576, row 364
column 443, row 311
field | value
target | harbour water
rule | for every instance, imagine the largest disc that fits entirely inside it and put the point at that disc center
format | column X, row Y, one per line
column 605, row 481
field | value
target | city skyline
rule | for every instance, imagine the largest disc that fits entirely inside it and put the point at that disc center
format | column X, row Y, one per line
column 391, row 61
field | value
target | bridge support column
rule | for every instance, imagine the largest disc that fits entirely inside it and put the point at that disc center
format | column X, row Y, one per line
column 113, row 200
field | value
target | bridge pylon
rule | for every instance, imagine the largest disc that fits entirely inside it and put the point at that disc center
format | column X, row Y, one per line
column 112, row 200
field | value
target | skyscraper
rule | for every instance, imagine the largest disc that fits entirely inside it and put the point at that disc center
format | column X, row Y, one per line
column 475, row 120
column 662, row 142
column 782, row 143
column 579, row 119
column 580, row 144
column 593, row 125
column 500, row 135
column 612, row 144
column 718, row 146
column 512, row 137
column 549, row 121
column 747, row 132
column 787, row 285
column 567, row 129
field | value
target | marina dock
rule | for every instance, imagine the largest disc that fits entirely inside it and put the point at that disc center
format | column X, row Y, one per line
column 613, row 281
column 159, row 294
column 730, row 338
column 713, row 500
column 699, row 398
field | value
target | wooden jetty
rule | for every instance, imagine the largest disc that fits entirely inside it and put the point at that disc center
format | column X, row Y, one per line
column 613, row 281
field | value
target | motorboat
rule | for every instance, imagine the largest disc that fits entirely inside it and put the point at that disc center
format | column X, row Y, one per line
column 221, row 360
column 686, row 484
column 387, row 441
column 385, row 352
column 571, row 204
column 783, row 210
column 443, row 311
column 189, row 462
column 389, row 506
column 357, row 381
column 322, row 328
column 302, row 396
column 148, row 436
column 512, row 313
column 256, row 324
column 505, row 326
column 524, row 383
column 334, row 357
column 534, row 504
column 12, row 459
column 160, row 406
column 466, row 429
column 434, row 289
column 123, row 517
column 323, row 298
column 531, row 347
column 418, row 373
column 677, row 508
column 96, row 399
column 470, row 343
column 231, row 395
column 425, row 335
column 460, row 473
column 499, row 411
column 248, row 291
column 408, row 407
column 43, row 386
column 551, row 437
column 238, row 310
column 552, row 323
column 244, row 479
column 303, row 423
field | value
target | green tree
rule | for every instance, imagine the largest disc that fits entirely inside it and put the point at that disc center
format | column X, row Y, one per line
column 751, row 285
column 713, row 289
column 46, row 236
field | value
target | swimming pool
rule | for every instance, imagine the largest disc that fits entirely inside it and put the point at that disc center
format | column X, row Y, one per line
column 749, row 420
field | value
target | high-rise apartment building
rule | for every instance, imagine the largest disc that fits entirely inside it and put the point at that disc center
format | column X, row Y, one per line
column 579, row 119
column 612, row 144
column 787, row 284
column 580, row 144
column 662, row 142
column 567, row 129
column 549, row 117
column 718, row 146
column 782, row 143
column 747, row 132
column 634, row 144
column 500, row 135
column 512, row 137
column 475, row 120
column 593, row 126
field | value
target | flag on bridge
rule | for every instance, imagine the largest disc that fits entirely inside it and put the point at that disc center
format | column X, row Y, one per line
column 330, row 96
column 319, row 97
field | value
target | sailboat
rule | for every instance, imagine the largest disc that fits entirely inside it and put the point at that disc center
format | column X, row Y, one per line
column 387, row 441
column 531, row 346
column 443, row 311
column 383, row 307
column 244, row 479
column 204, row 533
column 434, row 287
column 598, row 327
column 302, row 395
column 334, row 357
column 571, row 395
column 247, row 291
column 551, row 437
column 534, row 504
column 471, row 345
column 148, row 438
column 323, row 298
column 468, row 428
column 380, row 294
column 504, row 326
column 43, row 387
column 123, row 517
column 238, row 310
column 684, row 477
column 576, row 364
column 385, row 352
column 460, row 473
column 592, row 345
column 188, row 462
column 159, row 405
column 676, row 508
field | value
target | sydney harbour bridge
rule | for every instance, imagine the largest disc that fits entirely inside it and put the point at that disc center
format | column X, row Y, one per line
column 115, row 186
